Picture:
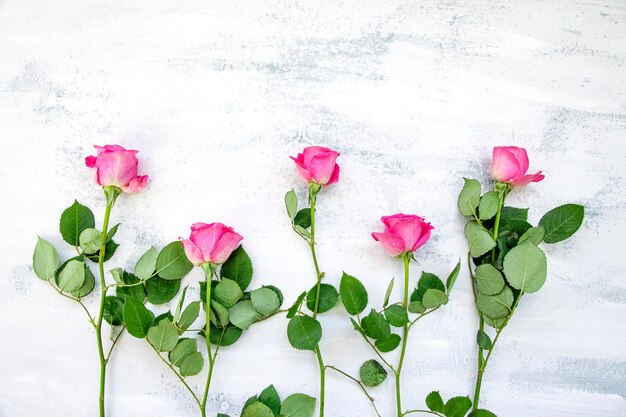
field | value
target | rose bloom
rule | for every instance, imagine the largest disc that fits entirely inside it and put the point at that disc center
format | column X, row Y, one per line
column 116, row 166
column 317, row 164
column 210, row 243
column 403, row 233
column 510, row 165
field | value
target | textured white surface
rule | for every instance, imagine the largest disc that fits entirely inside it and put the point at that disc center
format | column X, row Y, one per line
column 413, row 94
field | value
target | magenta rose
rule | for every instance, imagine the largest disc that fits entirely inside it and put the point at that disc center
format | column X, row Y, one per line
column 317, row 164
column 116, row 166
column 210, row 243
column 403, row 233
column 510, row 165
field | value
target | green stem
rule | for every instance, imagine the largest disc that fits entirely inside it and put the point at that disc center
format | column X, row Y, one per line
column 369, row 397
column 319, row 275
column 103, row 293
column 208, row 276
column 405, row 334
column 482, row 362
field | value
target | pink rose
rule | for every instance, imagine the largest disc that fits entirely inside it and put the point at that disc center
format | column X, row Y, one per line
column 210, row 243
column 510, row 164
column 317, row 164
column 116, row 166
column 403, row 233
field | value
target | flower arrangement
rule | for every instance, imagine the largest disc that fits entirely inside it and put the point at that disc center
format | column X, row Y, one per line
column 504, row 263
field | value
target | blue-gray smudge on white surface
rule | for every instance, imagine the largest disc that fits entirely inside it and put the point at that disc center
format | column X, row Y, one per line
column 413, row 94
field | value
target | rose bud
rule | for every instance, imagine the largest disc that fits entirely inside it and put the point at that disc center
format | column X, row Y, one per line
column 316, row 164
column 510, row 165
column 403, row 233
column 116, row 166
column 210, row 243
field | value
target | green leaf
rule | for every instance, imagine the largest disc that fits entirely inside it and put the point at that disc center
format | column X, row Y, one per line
column 189, row 315
column 372, row 373
column 328, row 298
column 172, row 263
column 513, row 227
column 291, row 203
column 184, row 347
column 71, row 276
column 427, row 281
column 137, row 318
column 227, row 292
column 469, row 197
column 278, row 293
column 298, row 405
column 114, row 310
column 270, row 398
column 136, row 291
column 488, row 279
column 88, row 284
column 220, row 317
column 416, row 307
column 118, row 275
column 192, row 364
column 534, row 235
column 146, row 265
column 481, row 413
column 74, row 220
column 434, row 298
column 457, row 407
column 388, row 293
column 238, row 267
column 112, row 232
column 526, row 267
column 160, row 291
column 304, row 332
column 478, row 239
column 303, row 218
column 375, row 325
column 179, row 305
column 483, row 340
column 434, row 402
column 388, row 344
column 109, row 251
column 513, row 213
column 226, row 336
column 265, row 301
column 303, row 231
column 452, row 277
column 396, row 315
column 294, row 308
column 257, row 409
column 562, row 222
column 488, row 206
column 353, row 294
column 496, row 306
column 163, row 337
column 495, row 323
column 243, row 314
column 163, row 316
column 45, row 259
column 90, row 240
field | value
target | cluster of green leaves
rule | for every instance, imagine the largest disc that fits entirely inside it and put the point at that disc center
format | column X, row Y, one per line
column 73, row 276
column 233, row 308
column 376, row 327
column 454, row 407
column 510, row 263
column 269, row 404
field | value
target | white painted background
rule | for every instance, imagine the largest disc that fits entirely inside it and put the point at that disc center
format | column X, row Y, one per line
column 414, row 94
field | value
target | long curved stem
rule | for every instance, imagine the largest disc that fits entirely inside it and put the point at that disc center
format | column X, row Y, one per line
column 319, row 276
column 208, row 276
column 103, row 293
column 405, row 334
